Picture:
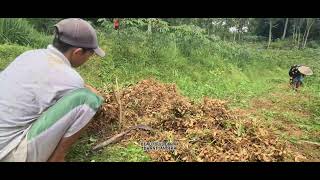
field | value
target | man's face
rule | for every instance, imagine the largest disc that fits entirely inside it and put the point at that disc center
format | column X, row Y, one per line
column 79, row 56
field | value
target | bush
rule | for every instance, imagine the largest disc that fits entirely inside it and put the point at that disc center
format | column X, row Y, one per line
column 313, row 44
column 252, row 38
column 8, row 53
column 19, row 31
column 44, row 25
column 282, row 44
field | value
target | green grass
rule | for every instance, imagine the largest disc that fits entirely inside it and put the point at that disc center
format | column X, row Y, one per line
column 215, row 69
column 82, row 152
column 20, row 31
column 293, row 111
column 117, row 153
column 8, row 53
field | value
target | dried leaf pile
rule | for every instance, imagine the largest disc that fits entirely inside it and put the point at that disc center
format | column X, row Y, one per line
column 206, row 131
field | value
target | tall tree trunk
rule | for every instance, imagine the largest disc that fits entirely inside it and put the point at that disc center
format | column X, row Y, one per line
column 300, row 22
column 306, row 38
column 285, row 29
column 298, row 42
column 294, row 34
column 210, row 28
column 239, row 27
column 270, row 32
column 304, row 35
column 149, row 26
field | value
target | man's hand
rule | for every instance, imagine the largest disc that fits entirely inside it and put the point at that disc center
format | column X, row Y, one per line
column 92, row 89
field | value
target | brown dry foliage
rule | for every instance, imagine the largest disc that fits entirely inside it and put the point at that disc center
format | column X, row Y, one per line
column 206, row 131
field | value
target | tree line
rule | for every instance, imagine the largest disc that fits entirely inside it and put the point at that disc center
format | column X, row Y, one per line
column 299, row 31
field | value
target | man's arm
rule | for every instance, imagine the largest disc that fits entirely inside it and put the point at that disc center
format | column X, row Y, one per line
column 92, row 89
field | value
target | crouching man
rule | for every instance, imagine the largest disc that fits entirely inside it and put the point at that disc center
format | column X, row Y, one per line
column 44, row 102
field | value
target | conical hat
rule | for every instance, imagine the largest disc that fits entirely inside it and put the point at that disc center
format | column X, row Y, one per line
column 305, row 70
